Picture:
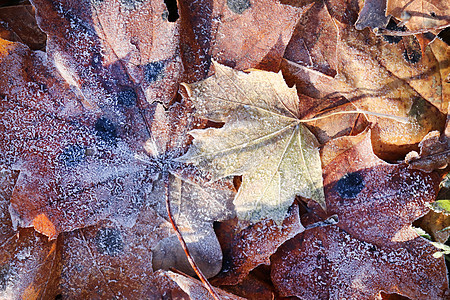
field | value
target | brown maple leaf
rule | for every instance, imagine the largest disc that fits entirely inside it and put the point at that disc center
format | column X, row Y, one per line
column 93, row 148
column 372, row 73
column 373, row 248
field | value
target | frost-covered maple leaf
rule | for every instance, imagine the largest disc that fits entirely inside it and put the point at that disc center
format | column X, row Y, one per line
column 263, row 139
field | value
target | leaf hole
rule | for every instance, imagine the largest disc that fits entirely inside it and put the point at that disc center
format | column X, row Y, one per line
column 172, row 9
column 392, row 25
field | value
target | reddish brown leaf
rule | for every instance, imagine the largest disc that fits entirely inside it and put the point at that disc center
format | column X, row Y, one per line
column 237, row 33
column 105, row 47
column 29, row 263
column 252, row 246
column 110, row 261
column 373, row 247
column 375, row 74
column 18, row 24
column 79, row 166
column 420, row 14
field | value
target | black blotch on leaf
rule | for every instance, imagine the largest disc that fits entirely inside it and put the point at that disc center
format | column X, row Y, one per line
column 106, row 130
column 127, row 98
column 390, row 38
column 72, row 155
column 412, row 56
column 350, row 185
column 109, row 241
column 238, row 6
column 153, row 71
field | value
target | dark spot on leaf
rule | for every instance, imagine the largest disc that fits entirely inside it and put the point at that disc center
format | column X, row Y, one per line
column 350, row 185
column 4, row 276
column 412, row 56
column 127, row 98
column 72, row 155
column 58, row 297
column 172, row 10
column 418, row 108
column 433, row 14
column 238, row 6
column 109, row 241
column 153, row 71
column 106, row 130
column 393, row 26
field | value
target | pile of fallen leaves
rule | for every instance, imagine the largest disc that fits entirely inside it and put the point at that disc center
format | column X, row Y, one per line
column 295, row 143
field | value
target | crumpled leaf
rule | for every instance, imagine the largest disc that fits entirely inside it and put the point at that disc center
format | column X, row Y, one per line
column 255, row 286
column 420, row 14
column 375, row 74
column 252, row 246
column 234, row 32
column 434, row 154
column 373, row 247
column 261, row 116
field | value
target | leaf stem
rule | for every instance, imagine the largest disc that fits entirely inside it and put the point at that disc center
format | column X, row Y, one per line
column 194, row 266
column 383, row 31
column 403, row 120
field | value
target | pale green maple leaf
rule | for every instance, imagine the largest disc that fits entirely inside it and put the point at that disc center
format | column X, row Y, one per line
column 263, row 140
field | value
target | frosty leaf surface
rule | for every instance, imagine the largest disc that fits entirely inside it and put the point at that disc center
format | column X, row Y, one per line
column 380, row 74
column 262, row 139
column 235, row 33
column 78, row 166
column 373, row 248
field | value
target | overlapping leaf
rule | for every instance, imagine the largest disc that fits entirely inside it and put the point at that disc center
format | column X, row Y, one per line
column 263, row 140
column 236, row 33
column 89, row 147
column 373, row 248
column 387, row 75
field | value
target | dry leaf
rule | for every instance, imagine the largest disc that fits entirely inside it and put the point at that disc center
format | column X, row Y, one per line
column 252, row 246
column 236, row 33
column 18, row 24
column 420, row 14
column 373, row 247
column 29, row 263
column 78, row 167
column 372, row 15
column 261, row 115
column 374, row 74
column 114, row 46
column 434, row 154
